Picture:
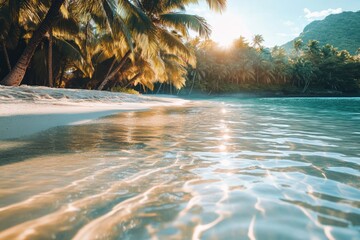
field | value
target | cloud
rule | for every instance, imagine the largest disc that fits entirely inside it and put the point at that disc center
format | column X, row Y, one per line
column 320, row 14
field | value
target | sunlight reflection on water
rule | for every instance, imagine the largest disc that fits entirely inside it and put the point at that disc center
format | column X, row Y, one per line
column 258, row 169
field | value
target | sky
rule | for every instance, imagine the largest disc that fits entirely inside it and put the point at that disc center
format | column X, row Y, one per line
column 278, row 21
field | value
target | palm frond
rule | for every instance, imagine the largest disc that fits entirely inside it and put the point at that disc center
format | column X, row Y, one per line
column 176, row 73
column 66, row 28
column 171, row 5
column 136, row 19
column 71, row 51
column 116, row 23
column 121, row 31
column 217, row 5
column 183, row 21
column 172, row 44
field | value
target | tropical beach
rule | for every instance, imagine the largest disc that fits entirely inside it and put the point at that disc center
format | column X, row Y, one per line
column 160, row 120
column 25, row 110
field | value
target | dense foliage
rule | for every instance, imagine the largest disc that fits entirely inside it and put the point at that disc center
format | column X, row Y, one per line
column 146, row 45
column 311, row 68
column 340, row 30
column 97, row 44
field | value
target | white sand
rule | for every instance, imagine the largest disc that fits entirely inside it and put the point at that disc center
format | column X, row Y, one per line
column 27, row 110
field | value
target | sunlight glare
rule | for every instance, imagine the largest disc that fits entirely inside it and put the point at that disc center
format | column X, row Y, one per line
column 225, row 136
column 225, row 31
column 222, row 147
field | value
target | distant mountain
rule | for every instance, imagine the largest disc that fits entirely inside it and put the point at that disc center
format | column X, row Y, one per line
column 340, row 30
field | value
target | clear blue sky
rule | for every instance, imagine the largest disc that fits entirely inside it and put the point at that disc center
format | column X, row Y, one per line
column 278, row 21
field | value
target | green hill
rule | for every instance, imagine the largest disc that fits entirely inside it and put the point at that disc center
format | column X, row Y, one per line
column 340, row 30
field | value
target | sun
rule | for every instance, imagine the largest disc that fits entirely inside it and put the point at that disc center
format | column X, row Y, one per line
column 224, row 32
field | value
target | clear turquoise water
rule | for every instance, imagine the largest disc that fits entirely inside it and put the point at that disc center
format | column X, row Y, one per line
column 221, row 169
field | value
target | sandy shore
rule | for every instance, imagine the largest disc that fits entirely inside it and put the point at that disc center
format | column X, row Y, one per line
column 21, row 117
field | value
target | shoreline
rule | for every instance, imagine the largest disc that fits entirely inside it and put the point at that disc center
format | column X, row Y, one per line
column 268, row 95
column 42, row 110
column 28, row 110
column 21, row 125
column 37, row 118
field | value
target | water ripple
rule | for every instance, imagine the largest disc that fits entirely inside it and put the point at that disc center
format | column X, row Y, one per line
column 234, row 169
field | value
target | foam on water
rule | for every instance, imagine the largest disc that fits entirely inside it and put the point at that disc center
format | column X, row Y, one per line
column 50, row 95
column 229, row 169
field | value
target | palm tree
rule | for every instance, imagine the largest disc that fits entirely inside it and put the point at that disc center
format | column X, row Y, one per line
column 246, row 72
column 328, row 51
column 165, row 46
column 298, row 44
column 257, row 41
column 62, row 31
column 164, row 39
column 281, row 63
column 256, row 61
column 99, row 10
column 313, row 52
column 240, row 43
column 9, row 26
column 267, row 72
column 16, row 75
column 304, row 72
column 136, row 24
column 168, row 27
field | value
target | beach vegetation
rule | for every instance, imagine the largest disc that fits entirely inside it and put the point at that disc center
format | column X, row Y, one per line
column 149, row 46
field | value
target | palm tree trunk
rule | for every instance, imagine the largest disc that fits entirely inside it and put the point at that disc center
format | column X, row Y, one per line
column 133, row 79
column 17, row 74
column 61, row 74
column 50, row 59
column 110, row 68
column 159, row 88
column 116, row 70
column 6, row 55
column 193, row 83
column 109, row 71
column 306, row 86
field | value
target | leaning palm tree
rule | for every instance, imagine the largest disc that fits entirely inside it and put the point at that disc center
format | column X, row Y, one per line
column 62, row 31
column 108, row 8
column 167, row 48
column 112, row 15
column 17, row 73
column 168, row 27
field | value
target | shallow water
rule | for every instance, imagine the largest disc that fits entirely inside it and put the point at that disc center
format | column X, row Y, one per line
column 220, row 169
